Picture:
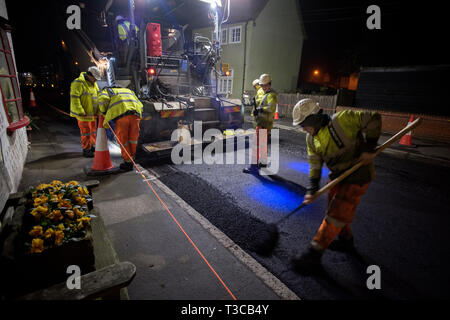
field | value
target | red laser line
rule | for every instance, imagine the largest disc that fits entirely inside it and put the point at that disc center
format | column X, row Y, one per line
column 175, row 220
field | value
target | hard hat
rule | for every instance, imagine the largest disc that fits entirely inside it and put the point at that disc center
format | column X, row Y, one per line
column 303, row 109
column 118, row 18
column 96, row 73
column 255, row 82
column 264, row 79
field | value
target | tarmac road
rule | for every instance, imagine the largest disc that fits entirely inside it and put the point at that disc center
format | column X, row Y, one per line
column 400, row 225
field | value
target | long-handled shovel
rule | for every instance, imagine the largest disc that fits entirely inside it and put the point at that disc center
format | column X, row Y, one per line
column 265, row 242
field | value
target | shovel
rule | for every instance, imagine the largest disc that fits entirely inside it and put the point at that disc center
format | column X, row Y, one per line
column 265, row 242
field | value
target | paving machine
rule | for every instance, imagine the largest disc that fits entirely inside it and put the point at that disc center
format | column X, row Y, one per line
column 172, row 71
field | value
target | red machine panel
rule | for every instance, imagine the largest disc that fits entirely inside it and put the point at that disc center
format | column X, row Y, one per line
column 154, row 48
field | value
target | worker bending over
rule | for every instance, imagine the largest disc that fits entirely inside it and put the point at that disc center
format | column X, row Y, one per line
column 340, row 141
column 266, row 100
column 121, row 106
column 83, row 106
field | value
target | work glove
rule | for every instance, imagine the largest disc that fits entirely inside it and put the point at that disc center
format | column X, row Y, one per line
column 313, row 186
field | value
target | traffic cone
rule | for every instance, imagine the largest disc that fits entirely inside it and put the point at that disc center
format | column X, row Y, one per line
column 276, row 114
column 102, row 160
column 406, row 140
column 32, row 99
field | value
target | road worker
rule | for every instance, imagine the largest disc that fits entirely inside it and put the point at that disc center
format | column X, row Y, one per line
column 125, row 35
column 83, row 106
column 121, row 106
column 266, row 101
column 340, row 142
column 259, row 93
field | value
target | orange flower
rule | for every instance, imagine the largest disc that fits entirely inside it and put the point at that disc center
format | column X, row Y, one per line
column 37, row 245
column 36, row 231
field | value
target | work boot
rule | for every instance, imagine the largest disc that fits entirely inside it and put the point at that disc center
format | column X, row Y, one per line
column 126, row 166
column 252, row 169
column 87, row 153
column 262, row 165
column 309, row 262
column 342, row 244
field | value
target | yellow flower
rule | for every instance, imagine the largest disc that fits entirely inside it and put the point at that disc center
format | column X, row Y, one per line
column 49, row 233
column 70, row 214
column 40, row 200
column 72, row 183
column 36, row 214
column 36, row 231
column 65, row 203
column 78, row 212
column 42, row 186
column 56, row 215
column 59, row 236
column 83, row 222
column 37, row 245
column 61, row 227
column 56, row 183
column 42, row 209
column 80, row 200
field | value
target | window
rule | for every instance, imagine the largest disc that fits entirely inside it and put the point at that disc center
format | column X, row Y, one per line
column 225, row 84
column 9, row 87
column 235, row 34
column 223, row 38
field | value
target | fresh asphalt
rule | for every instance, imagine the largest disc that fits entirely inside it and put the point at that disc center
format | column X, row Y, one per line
column 400, row 225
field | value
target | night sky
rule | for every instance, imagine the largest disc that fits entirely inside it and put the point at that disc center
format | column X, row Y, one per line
column 412, row 33
column 338, row 41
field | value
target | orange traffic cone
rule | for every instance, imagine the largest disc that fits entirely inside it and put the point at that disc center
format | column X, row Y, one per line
column 276, row 117
column 32, row 99
column 102, row 160
column 406, row 140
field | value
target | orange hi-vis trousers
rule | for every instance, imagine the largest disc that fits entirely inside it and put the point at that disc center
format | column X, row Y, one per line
column 127, row 131
column 259, row 147
column 88, row 131
column 342, row 202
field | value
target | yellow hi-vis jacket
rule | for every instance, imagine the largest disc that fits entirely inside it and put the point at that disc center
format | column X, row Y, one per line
column 258, row 97
column 340, row 143
column 115, row 102
column 83, row 99
column 124, row 30
column 268, row 104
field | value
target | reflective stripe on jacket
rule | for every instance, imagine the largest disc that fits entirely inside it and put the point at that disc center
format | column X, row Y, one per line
column 268, row 104
column 115, row 102
column 124, row 30
column 339, row 145
column 83, row 99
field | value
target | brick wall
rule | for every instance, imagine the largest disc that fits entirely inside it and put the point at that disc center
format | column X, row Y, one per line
column 432, row 127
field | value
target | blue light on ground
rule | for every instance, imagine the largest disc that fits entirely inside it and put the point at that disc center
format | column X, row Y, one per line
column 303, row 167
column 275, row 196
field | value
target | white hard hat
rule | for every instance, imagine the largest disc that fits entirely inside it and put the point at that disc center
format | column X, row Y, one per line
column 264, row 79
column 255, row 82
column 119, row 18
column 303, row 109
column 96, row 73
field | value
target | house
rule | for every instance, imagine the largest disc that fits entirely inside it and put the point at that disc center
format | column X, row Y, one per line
column 13, row 122
column 260, row 36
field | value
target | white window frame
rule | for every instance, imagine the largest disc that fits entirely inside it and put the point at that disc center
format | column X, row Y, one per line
column 228, row 81
column 222, row 38
column 230, row 34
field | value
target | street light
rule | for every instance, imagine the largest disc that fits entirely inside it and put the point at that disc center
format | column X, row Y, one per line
column 316, row 72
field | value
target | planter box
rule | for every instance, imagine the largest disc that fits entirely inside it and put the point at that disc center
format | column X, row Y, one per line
column 22, row 272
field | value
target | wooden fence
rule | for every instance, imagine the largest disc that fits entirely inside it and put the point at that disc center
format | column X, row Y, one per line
column 287, row 101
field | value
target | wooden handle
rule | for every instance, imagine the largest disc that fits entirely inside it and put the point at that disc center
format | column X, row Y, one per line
column 394, row 138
